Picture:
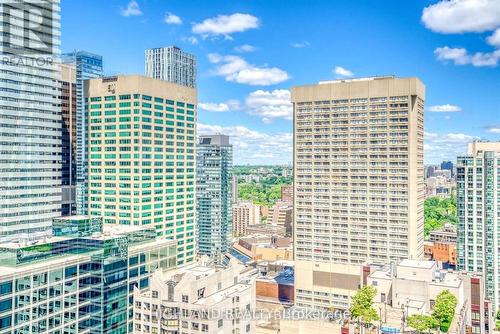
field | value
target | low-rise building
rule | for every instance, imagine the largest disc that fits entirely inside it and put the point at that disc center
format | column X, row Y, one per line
column 442, row 246
column 80, row 280
column 275, row 282
column 197, row 298
column 265, row 247
column 447, row 234
column 412, row 286
column 267, row 229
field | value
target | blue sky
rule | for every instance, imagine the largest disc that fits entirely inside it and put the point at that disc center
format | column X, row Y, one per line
column 251, row 52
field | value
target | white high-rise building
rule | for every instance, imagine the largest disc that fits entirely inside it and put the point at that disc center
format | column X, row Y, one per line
column 30, row 118
column 171, row 64
column 359, row 182
column 478, row 211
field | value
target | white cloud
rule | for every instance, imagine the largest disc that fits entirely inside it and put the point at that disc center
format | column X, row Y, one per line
column 171, row 18
column 270, row 105
column 132, row 9
column 342, row 72
column 245, row 48
column 220, row 107
column 193, row 40
column 494, row 39
column 254, row 147
column 461, row 16
column 299, row 45
column 225, row 25
column 444, row 108
column 494, row 129
column 236, row 69
column 447, row 146
column 460, row 56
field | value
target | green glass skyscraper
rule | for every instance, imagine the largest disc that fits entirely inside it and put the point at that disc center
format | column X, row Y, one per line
column 142, row 142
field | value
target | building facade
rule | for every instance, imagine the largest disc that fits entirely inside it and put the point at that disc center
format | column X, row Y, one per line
column 171, row 64
column 478, row 210
column 358, row 181
column 244, row 214
column 80, row 280
column 411, row 287
column 142, row 141
column 234, row 189
column 197, row 298
column 282, row 215
column 30, row 119
column 69, row 129
column 214, row 163
column 87, row 66
column 287, row 193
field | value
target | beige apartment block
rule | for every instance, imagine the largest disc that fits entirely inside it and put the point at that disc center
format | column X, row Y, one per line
column 244, row 214
column 142, row 140
column 358, row 182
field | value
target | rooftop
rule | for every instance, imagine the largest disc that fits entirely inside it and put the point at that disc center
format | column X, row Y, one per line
column 417, row 264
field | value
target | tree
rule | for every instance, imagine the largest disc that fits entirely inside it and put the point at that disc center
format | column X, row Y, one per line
column 420, row 322
column 439, row 211
column 362, row 305
column 444, row 309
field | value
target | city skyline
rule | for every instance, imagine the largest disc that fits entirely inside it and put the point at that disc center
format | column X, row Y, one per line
column 241, row 52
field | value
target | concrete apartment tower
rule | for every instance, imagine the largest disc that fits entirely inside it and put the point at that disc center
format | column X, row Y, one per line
column 214, row 164
column 30, row 119
column 358, row 182
column 142, row 141
column 478, row 210
column 171, row 64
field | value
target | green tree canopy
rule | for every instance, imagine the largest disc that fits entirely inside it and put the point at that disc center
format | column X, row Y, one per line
column 362, row 305
column 444, row 309
column 421, row 323
column 438, row 212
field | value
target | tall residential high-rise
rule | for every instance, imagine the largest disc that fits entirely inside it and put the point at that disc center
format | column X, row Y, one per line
column 88, row 66
column 214, row 163
column 30, row 118
column 359, row 181
column 142, row 142
column 171, row 64
column 478, row 210
column 67, row 97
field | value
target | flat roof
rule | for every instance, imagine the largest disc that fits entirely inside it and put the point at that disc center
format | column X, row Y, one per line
column 417, row 264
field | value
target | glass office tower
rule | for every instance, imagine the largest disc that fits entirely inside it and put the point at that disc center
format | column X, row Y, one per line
column 214, row 162
column 80, row 280
column 30, row 119
column 88, row 66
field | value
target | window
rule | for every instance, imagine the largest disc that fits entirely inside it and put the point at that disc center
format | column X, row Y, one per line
column 185, row 299
column 154, row 294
